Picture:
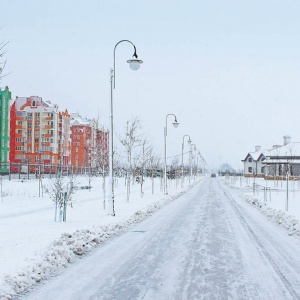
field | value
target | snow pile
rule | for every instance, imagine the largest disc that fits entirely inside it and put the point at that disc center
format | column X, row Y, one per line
column 282, row 218
column 65, row 250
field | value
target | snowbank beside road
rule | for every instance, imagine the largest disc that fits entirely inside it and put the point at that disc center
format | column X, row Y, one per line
column 70, row 246
column 284, row 219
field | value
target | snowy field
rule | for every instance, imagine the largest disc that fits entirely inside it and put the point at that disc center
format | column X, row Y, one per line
column 33, row 246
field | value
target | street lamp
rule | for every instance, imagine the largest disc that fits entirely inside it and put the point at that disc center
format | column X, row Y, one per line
column 134, row 64
column 189, row 142
column 175, row 124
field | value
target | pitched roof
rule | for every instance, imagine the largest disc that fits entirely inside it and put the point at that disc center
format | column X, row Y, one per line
column 255, row 155
column 290, row 149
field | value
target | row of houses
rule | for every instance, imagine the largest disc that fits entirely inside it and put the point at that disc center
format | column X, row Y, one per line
column 278, row 162
column 34, row 131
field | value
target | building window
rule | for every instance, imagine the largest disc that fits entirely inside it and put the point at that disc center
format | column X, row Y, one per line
column 249, row 159
column 33, row 103
column 250, row 170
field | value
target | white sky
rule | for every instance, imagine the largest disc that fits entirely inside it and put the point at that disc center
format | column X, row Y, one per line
column 229, row 70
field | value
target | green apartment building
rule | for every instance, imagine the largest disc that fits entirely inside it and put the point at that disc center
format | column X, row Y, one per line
column 5, row 97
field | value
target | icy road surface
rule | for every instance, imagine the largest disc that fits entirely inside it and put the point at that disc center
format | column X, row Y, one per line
column 208, row 244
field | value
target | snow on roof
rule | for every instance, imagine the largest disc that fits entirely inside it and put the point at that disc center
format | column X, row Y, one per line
column 255, row 155
column 293, row 161
column 77, row 120
column 290, row 149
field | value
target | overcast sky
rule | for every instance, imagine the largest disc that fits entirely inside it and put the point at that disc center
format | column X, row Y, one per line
column 229, row 70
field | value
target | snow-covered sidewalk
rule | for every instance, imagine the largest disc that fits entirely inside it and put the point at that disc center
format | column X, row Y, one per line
column 34, row 247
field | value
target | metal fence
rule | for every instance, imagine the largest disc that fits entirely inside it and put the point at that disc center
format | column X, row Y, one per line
column 29, row 170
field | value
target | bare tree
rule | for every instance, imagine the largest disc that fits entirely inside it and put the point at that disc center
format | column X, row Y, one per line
column 102, row 156
column 2, row 54
column 174, row 169
column 130, row 141
column 153, row 167
column 61, row 192
column 143, row 160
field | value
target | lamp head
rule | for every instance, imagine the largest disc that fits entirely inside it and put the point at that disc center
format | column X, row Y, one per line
column 134, row 63
column 175, row 124
column 189, row 141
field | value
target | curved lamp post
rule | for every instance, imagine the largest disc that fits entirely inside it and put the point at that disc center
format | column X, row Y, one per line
column 134, row 64
column 175, row 124
column 189, row 142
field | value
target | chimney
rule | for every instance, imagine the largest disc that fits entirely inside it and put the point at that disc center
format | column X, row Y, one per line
column 257, row 148
column 286, row 139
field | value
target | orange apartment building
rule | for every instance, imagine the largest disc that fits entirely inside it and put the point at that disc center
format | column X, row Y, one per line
column 40, row 133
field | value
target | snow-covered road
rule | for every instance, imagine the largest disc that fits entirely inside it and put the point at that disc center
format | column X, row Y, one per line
column 208, row 244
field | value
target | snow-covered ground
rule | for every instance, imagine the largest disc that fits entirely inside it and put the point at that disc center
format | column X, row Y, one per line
column 208, row 244
column 33, row 246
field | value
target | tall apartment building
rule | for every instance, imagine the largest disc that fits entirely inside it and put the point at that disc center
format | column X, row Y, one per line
column 5, row 97
column 40, row 133
column 87, row 140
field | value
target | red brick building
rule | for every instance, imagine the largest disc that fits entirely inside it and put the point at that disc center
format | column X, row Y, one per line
column 89, row 144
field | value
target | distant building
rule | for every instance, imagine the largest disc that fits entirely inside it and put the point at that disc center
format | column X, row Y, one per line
column 283, row 159
column 253, row 163
column 89, row 143
column 279, row 162
column 40, row 133
column 5, row 97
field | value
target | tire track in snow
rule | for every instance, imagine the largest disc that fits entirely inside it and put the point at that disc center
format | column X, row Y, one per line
column 213, row 269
